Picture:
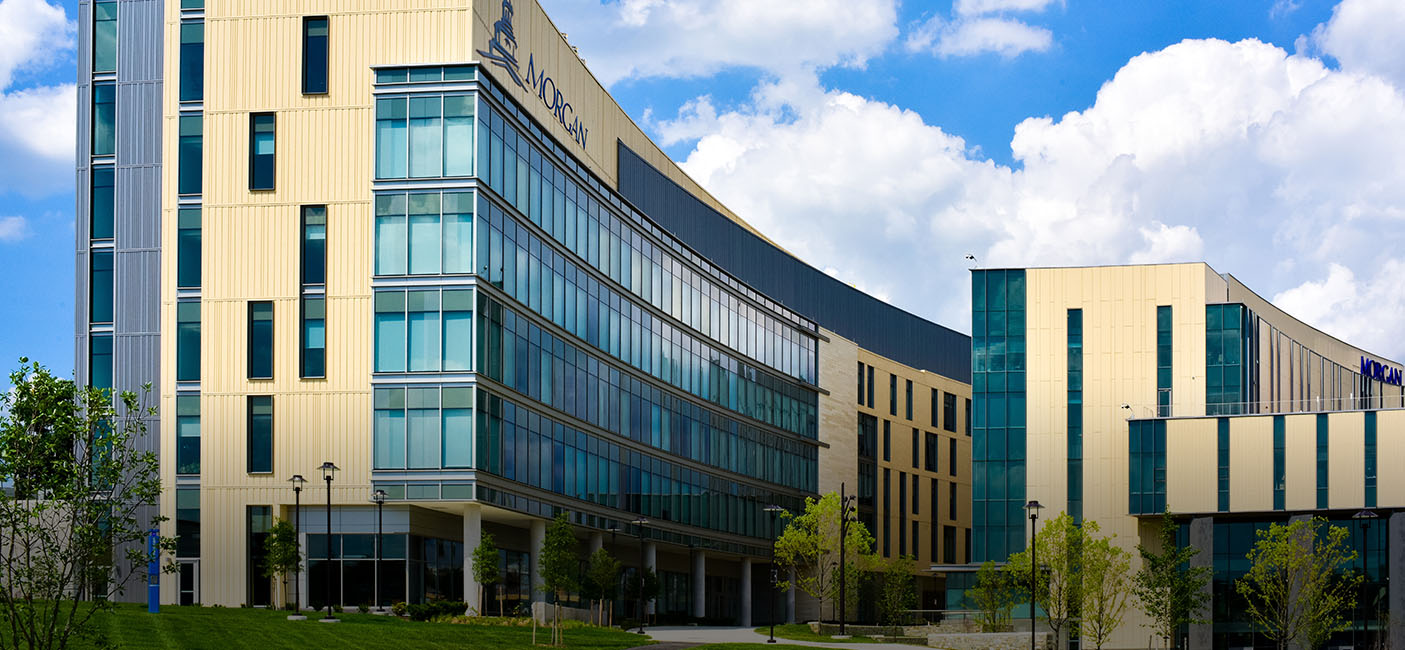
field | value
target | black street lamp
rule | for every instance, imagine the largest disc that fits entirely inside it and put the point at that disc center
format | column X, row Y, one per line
column 641, row 523
column 1364, row 518
column 379, row 497
column 613, row 530
column 297, row 482
column 1033, row 507
column 774, row 510
column 848, row 513
column 329, row 470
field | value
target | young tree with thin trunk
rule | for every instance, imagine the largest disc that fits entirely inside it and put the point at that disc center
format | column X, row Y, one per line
column 994, row 596
column 897, row 589
column 1105, row 590
column 1296, row 590
column 74, row 523
column 1171, row 591
column 485, row 570
column 603, row 576
column 281, row 555
column 810, row 545
column 1059, row 546
column 560, row 562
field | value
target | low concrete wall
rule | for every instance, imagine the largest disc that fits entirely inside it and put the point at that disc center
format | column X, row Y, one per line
column 543, row 613
column 991, row 641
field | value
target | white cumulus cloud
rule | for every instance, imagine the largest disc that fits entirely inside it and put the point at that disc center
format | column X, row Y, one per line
column 982, row 7
column 36, row 122
column 979, row 27
column 13, row 229
column 625, row 39
column 1367, row 36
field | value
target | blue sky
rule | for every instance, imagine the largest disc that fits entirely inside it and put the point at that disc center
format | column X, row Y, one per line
column 883, row 140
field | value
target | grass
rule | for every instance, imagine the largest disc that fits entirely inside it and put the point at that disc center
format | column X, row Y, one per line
column 801, row 632
column 214, row 628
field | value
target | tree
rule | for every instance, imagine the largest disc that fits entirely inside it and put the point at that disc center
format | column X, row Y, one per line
column 1105, row 590
column 76, row 522
column 644, row 587
column 560, row 563
column 1171, row 591
column 810, row 545
column 281, row 553
column 485, row 569
column 1294, row 589
column 994, row 595
column 602, row 579
column 1059, row 547
column 897, row 591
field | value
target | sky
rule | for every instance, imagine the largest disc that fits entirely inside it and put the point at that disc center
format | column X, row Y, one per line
column 883, row 141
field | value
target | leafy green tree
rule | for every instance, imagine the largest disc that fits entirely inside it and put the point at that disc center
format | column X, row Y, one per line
column 1295, row 589
column 1171, row 591
column 810, row 545
column 644, row 587
column 281, row 554
column 602, row 579
column 560, row 564
column 76, row 520
column 1105, row 589
column 485, row 569
column 1059, row 547
column 897, row 591
column 994, row 596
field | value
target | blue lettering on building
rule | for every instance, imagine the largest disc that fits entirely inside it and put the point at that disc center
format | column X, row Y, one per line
column 502, row 52
column 1373, row 369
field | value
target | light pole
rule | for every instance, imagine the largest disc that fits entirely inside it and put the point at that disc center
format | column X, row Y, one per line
column 379, row 497
column 641, row 523
column 329, row 470
column 848, row 512
column 1033, row 507
column 1364, row 518
column 774, row 510
column 613, row 530
column 297, row 482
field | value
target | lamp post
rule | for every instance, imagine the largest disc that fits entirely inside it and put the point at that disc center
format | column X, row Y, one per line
column 613, row 530
column 1033, row 507
column 297, row 482
column 379, row 497
column 1364, row 518
column 774, row 510
column 641, row 523
column 329, row 471
column 848, row 513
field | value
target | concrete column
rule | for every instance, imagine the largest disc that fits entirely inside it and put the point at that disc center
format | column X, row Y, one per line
column 1202, row 539
column 746, row 592
column 472, row 537
column 651, row 557
column 597, row 542
column 1293, row 595
column 699, row 584
column 1396, row 561
column 790, row 599
column 538, row 537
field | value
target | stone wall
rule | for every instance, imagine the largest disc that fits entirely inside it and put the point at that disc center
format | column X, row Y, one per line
column 991, row 641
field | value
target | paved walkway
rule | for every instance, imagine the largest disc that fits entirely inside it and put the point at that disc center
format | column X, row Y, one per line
column 700, row 635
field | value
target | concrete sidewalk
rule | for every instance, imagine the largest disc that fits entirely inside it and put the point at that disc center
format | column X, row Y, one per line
column 700, row 635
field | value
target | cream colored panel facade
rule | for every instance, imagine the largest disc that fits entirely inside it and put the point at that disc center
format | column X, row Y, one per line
column 1187, row 486
column 1390, row 449
column 1300, row 462
column 1250, row 464
column 839, row 421
column 1346, row 460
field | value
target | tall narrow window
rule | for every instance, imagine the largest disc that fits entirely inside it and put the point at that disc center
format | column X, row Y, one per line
column 951, row 458
column 887, row 509
column 188, row 341
column 916, row 504
column 190, row 161
column 188, row 248
column 187, row 434
column 933, row 444
column 968, row 417
column 949, row 544
column 1223, row 455
column 104, row 36
column 260, row 434
column 887, row 441
column 314, row 244
column 936, row 413
column 1163, row 361
column 261, row 340
column 458, row 135
column 314, row 337
column 909, row 399
column 951, row 500
column 100, row 288
column 1075, row 415
column 104, row 119
column 192, row 62
column 314, row 55
column 1370, row 459
column 188, row 522
column 390, row 331
column 101, row 203
column 916, row 451
column 100, row 361
column 426, row 137
column 262, row 148
column 902, row 513
column 392, row 137
column 870, row 386
column 1322, row 458
column 1279, row 460
column 860, row 383
column 949, row 412
column 892, row 394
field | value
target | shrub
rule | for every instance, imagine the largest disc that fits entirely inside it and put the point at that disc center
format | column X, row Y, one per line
column 363, row 608
column 398, row 608
column 436, row 609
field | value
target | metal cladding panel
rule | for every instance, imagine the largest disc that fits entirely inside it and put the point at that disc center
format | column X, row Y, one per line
column 138, row 124
column 1390, row 446
column 139, row 40
column 138, row 218
column 136, row 286
column 1188, row 444
column 873, row 324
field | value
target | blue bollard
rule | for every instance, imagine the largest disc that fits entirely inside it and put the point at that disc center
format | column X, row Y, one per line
column 153, row 574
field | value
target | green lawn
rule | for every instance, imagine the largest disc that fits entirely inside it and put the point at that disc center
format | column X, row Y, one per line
column 801, row 632
column 200, row 628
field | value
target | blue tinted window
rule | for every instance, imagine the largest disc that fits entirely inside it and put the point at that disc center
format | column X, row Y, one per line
column 100, row 287
column 260, row 434
column 189, row 153
column 103, row 208
column 188, row 341
column 105, row 36
column 314, row 337
column 100, row 361
column 188, row 434
column 104, row 119
column 314, row 55
column 192, row 61
column 188, row 251
column 262, row 150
